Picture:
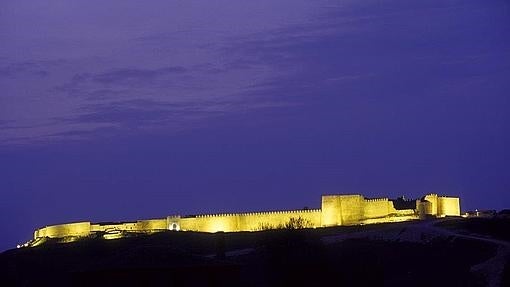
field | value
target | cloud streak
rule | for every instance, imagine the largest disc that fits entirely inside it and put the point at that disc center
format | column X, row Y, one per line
column 355, row 57
column 28, row 68
column 139, row 75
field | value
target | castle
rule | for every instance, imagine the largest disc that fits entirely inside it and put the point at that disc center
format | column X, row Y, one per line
column 336, row 210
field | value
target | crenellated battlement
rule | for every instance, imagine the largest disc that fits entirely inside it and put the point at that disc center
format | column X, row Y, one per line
column 280, row 212
column 273, row 212
column 376, row 199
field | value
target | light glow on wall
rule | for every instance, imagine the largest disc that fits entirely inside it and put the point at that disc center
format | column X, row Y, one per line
column 335, row 210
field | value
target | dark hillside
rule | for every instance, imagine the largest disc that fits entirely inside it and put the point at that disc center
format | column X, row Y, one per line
column 345, row 256
column 497, row 227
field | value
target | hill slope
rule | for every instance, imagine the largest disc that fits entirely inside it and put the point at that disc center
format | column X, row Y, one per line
column 415, row 253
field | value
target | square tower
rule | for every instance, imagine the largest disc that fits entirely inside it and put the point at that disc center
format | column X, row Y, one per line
column 342, row 209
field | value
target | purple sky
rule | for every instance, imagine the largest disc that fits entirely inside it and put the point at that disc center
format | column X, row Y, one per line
column 120, row 110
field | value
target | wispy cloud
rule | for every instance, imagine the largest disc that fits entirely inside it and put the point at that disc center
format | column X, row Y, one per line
column 252, row 73
column 27, row 68
column 133, row 74
column 353, row 57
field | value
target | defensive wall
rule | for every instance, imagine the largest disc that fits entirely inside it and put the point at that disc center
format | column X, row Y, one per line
column 245, row 221
column 335, row 210
column 85, row 228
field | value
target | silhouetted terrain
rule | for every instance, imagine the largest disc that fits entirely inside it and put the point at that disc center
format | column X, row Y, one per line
column 402, row 254
column 496, row 227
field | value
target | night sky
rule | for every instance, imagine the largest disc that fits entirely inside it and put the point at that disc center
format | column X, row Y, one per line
column 123, row 110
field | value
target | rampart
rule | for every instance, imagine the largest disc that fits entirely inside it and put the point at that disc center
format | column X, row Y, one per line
column 355, row 209
column 441, row 206
column 62, row 230
column 247, row 221
column 335, row 210
column 85, row 228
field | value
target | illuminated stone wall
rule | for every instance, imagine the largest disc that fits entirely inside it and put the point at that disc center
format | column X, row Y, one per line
column 355, row 209
column 85, row 228
column 152, row 224
column 351, row 209
column 108, row 227
column 136, row 226
column 265, row 220
column 432, row 198
column 331, row 215
column 335, row 210
column 247, row 221
column 448, row 206
column 380, row 207
column 331, row 210
column 63, row 230
column 441, row 205
column 210, row 223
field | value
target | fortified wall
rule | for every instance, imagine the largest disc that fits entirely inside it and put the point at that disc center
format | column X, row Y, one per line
column 81, row 229
column 245, row 221
column 336, row 210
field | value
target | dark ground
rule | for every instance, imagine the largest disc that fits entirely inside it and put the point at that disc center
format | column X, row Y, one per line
column 267, row 258
column 495, row 227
